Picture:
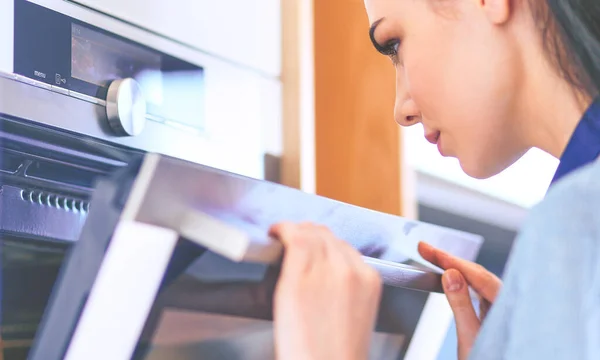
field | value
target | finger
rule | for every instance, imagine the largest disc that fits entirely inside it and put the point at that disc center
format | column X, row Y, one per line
column 441, row 258
column 358, row 273
column 296, row 236
column 338, row 250
column 317, row 238
column 467, row 323
column 302, row 248
column 482, row 281
column 282, row 231
column 369, row 276
column 484, row 307
column 351, row 255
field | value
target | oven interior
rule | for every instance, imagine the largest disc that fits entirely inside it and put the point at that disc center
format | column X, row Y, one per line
column 46, row 178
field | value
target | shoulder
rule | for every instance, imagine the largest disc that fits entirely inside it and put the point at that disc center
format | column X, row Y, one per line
column 557, row 252
column 552, row 280
column 565, row 226
column 571, row 202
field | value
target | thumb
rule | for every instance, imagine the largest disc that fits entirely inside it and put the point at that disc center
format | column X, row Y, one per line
column 467, row 323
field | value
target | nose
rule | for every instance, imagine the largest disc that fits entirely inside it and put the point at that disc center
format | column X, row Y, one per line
column 406, row 112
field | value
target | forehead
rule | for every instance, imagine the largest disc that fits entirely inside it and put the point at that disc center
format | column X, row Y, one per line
column 377, row 9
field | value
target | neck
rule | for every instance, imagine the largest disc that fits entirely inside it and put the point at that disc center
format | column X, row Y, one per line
column 553, row 108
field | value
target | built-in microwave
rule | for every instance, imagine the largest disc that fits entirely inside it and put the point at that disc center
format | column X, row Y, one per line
column 166, row 96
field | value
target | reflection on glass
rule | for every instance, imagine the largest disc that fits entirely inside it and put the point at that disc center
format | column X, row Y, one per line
column 98, row 59
column 184, row 335
column 218, row 309
column 29, row 270
column 176, row 96
column 210, row 307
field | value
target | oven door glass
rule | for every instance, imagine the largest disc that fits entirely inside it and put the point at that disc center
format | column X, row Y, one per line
column 29, row 271
column 46, row 177
column 217, row 309
column 133, row 285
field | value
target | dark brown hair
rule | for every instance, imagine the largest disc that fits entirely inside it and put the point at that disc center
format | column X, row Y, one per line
column 571, row 35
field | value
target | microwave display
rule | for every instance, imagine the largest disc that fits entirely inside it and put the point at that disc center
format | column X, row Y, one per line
column 80, row 58
column 99, row 59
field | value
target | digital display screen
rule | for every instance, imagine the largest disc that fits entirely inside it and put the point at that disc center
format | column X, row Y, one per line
column 65, row 52
column 99, row 59
column 173, row 92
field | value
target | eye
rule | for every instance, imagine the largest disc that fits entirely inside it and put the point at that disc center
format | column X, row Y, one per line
column 391, row 49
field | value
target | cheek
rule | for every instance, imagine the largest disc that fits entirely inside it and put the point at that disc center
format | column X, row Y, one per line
column 457, row 83
column 435, row 79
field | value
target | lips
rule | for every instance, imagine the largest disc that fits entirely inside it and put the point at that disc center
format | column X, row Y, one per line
column 433, row 137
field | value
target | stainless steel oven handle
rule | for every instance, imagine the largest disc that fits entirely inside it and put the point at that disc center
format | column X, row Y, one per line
column 238, row 245
column 406, row 276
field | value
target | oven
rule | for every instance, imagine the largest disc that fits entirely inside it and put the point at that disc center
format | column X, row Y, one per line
column 90, row 108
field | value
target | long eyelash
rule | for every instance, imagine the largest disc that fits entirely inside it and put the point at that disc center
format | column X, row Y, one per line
column 390, row 49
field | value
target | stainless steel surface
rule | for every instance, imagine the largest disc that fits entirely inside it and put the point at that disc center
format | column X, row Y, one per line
column 89, row 119
column 401, row 275
column 60, row 90
column 84, row 97
column 236, row 245
column 154, row 118
column 29, row 81
column 42, row 85
column 126, row 107
column 168, row 189
column 7, row 75
column 23, row 79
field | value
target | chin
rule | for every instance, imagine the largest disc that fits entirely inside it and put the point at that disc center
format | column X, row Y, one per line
column 484, row 164
column 479, row 170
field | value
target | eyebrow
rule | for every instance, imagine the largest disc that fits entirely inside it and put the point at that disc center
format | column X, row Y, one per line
column 372, row 35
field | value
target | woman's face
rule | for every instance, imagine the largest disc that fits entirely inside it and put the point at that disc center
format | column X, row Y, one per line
column 458, row 71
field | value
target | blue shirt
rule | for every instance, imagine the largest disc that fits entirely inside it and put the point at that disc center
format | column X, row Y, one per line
column 584, row 145
column 549, row 306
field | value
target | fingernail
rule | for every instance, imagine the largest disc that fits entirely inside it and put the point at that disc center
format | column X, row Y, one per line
column 452, row 281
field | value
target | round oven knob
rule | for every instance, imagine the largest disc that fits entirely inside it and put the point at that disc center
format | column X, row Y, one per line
column 126, row 107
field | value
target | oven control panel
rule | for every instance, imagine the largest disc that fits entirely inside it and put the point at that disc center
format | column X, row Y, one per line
column 126, row 107
column 135, row 83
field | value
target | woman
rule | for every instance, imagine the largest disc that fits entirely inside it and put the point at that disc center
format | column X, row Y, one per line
column 488, row 80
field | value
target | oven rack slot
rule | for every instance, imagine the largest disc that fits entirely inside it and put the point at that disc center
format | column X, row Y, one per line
column 35, row 213
column 57, row 201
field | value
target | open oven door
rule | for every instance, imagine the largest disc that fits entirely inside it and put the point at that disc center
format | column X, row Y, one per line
column 174, row 262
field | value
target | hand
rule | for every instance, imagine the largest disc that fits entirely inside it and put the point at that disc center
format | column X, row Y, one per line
column 326, row 298
column 458, row 276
